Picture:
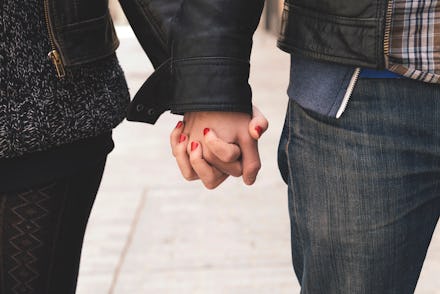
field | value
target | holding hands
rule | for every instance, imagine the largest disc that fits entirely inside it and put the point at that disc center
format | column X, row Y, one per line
column 210, row 146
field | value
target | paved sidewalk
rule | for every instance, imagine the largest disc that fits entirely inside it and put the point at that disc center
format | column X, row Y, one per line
column 153, row 232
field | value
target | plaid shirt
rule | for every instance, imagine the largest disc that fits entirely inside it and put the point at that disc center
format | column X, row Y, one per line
column 415, row 39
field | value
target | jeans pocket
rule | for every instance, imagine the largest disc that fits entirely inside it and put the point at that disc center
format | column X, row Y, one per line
column 283, row 165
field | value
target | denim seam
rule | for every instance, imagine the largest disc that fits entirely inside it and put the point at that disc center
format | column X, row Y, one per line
column 289, row 138
column 331, row 244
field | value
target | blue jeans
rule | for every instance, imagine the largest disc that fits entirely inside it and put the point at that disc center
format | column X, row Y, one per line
column 364, row 190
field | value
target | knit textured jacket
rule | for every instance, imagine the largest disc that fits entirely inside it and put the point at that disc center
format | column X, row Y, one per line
column 39, row 111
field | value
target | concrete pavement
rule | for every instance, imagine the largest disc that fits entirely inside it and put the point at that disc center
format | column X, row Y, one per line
column 153, row 232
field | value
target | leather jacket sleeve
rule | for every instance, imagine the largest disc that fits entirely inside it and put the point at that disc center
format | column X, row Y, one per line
column 151, row 21
column 205, row 58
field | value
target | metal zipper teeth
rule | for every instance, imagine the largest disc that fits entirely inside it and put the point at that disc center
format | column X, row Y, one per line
column 53, row 55
column 386, row 48
column 357, row 71
column 349, row 91
column 386, row 39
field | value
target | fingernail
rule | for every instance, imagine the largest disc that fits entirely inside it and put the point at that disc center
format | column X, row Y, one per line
column 179, row 125
column 205, row 131
column 259, row 130
column 182, row 138
column 194, row 146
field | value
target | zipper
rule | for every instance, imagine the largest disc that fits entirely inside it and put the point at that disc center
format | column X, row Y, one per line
column 349, row 91
column 386, row 39
column 54, row 54
column 357, row 71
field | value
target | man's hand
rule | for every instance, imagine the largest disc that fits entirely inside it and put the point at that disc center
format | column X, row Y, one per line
column 210, row 146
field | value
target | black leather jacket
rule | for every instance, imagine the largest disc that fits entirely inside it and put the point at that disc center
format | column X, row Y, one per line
column 201, row 48
column 344, row 31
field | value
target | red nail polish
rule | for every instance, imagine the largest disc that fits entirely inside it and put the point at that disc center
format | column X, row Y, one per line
column 194, row 146
column 259, row 130
column 182, row 138
column 179, row 125
column 205, row 131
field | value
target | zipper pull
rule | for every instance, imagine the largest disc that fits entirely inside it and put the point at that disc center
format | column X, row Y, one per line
column 58, row 63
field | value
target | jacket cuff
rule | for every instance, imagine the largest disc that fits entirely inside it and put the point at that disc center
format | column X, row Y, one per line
column 211, row 84
column 210, row 44
column 211, row 48
column 171, row 87
column 153, row 98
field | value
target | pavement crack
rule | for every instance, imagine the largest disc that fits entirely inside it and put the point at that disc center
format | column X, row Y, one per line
column 128, row 242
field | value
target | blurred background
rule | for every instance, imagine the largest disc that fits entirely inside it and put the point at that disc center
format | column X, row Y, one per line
column 153, row 232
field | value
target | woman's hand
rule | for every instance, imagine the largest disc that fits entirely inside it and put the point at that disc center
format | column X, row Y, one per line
column 210, row 146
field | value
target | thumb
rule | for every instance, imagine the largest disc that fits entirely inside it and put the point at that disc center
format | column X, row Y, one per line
column 258, row 124
column 226, row 152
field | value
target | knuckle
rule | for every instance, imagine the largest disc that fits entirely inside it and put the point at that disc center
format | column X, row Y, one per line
column 254, row 167
column 210, row 182
column 208, row 156
column 234, row 170
column 209, row 140
column 188, row 175
column 193, row 160
column 247, row 139
column 210, row 185
column 229, row 156
column 236, row 173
